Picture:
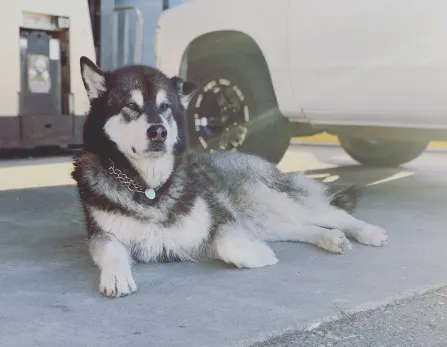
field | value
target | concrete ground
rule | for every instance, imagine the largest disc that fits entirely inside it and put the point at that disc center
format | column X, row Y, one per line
column 48, row 294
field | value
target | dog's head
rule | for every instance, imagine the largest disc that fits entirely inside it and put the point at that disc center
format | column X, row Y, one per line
column 135, row 109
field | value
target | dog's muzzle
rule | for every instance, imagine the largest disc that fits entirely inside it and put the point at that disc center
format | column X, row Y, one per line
column 157, row 133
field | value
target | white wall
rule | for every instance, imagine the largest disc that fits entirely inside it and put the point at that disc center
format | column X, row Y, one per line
column 81, row 43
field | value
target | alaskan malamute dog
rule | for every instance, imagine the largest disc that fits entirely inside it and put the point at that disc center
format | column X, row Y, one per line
column 144, row 201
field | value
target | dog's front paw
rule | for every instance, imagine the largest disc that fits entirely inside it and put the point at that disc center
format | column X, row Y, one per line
column 372, row 235
column 116, row 283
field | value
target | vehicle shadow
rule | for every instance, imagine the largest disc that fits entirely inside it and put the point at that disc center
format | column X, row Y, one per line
column 358, row 175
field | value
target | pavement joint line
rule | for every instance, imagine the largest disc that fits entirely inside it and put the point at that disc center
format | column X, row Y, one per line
column 315, row 324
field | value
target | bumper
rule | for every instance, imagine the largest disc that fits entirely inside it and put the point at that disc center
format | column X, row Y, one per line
column 40, row 130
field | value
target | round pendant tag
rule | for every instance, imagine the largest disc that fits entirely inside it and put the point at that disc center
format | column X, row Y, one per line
column 150, row 193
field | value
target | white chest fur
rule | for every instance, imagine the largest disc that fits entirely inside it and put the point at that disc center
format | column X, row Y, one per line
column 182, row 239
column 155, row 171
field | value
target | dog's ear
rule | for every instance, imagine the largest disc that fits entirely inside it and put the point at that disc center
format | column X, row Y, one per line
column 185, row 90
column 93, row 78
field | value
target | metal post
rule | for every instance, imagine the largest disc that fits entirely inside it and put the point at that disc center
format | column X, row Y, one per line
column 115, row 41
column 138, row 37
column 126, row 34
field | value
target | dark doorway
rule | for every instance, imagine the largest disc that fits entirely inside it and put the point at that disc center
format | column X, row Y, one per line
column 95, row 17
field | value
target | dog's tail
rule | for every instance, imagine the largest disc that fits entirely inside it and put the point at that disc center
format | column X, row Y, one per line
column 346, row 198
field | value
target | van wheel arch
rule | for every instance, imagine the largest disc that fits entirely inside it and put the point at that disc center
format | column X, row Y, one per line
column 235, row 57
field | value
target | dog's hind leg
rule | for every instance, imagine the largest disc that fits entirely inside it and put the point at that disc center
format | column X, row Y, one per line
column 354, row 228
column 331, row 240
column 114, row 262
column 235, row 246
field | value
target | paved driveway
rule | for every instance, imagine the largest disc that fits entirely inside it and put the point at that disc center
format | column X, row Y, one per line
column 48, row 294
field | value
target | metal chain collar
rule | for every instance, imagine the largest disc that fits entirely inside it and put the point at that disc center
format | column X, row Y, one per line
column 124, row 179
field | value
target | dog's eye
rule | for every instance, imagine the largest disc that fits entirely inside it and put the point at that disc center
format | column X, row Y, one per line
column 164, row 107
column 131, row 105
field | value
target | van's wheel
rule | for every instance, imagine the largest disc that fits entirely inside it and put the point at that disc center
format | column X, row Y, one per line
column 382, row 153
column 234, row 109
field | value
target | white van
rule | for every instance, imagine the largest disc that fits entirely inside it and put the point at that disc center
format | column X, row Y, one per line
column 372, row 72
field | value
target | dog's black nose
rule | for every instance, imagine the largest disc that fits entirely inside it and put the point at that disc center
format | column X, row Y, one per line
column 157, row 133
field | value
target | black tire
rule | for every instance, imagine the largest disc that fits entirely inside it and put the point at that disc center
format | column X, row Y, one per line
column 266, row 134
column 389, row 153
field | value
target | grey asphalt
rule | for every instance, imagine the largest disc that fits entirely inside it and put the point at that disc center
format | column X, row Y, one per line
column 48, row 285
column 413, row 322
